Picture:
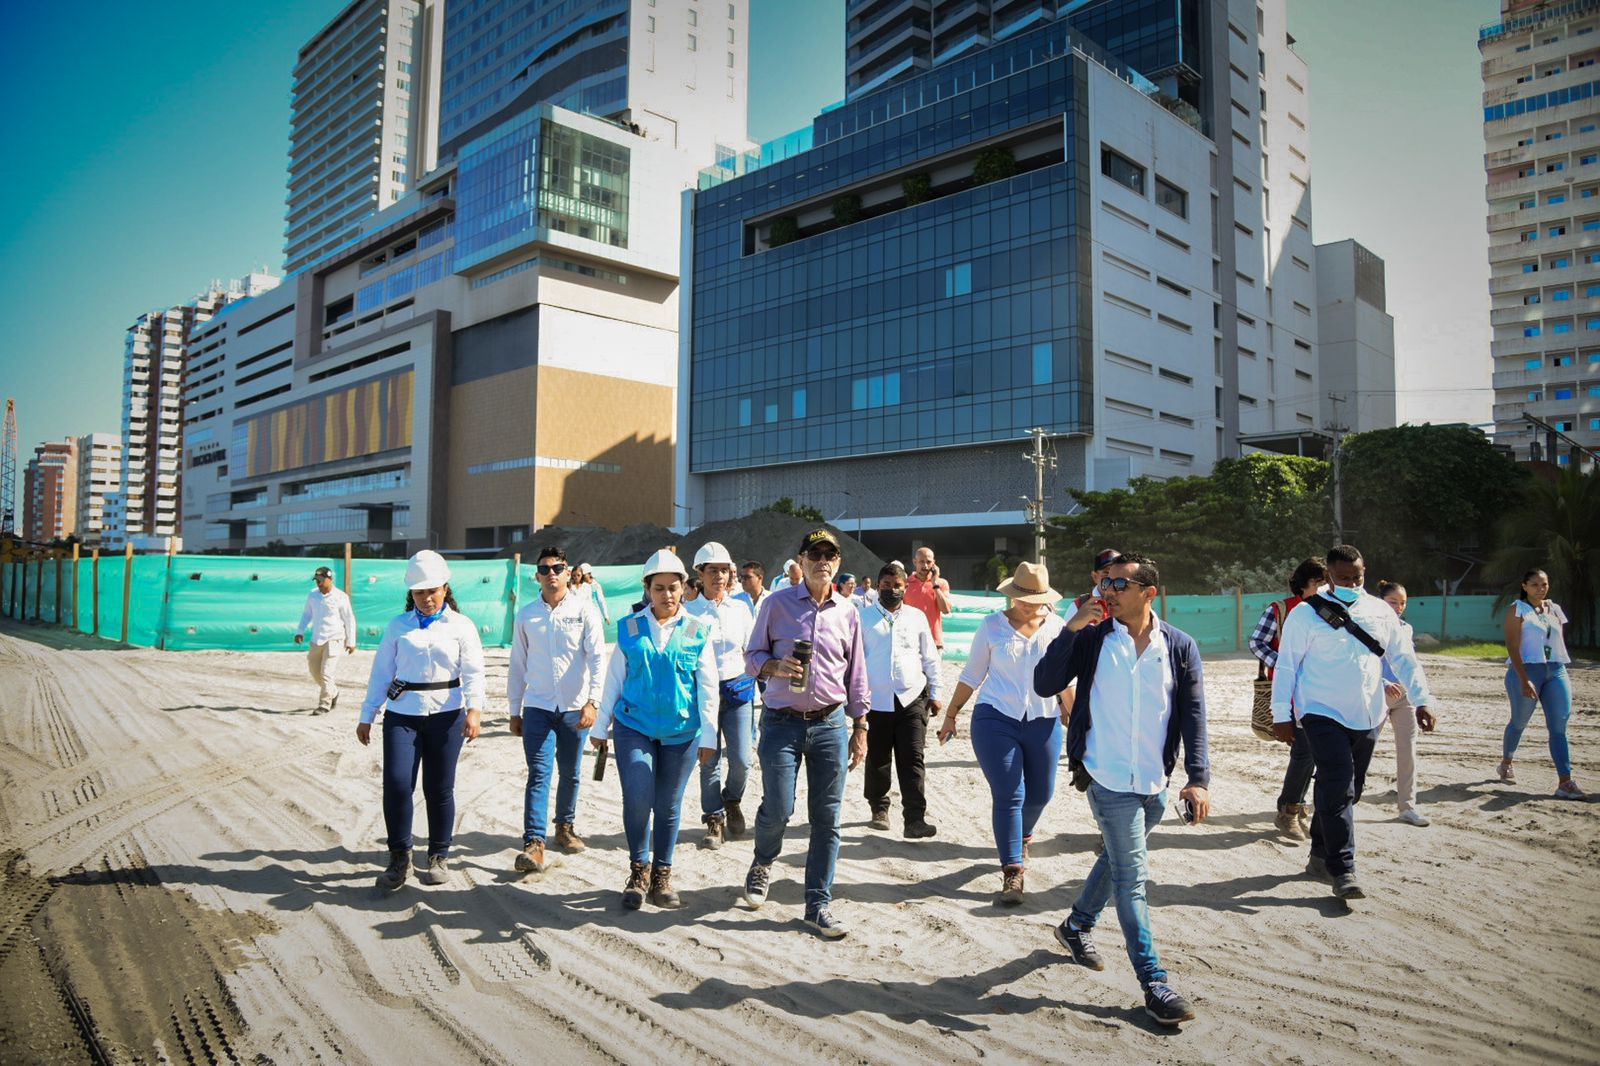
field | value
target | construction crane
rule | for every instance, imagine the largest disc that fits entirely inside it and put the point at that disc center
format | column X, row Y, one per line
column 8, row 471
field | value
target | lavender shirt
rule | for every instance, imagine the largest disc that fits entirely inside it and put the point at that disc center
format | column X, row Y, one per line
column 838, row 662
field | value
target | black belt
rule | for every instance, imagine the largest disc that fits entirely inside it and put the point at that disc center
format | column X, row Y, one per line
column 807, row 716
column 428, row 686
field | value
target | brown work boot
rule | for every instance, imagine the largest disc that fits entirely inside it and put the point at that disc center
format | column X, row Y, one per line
column 661, row 893
column 1025, row 842
column 567, row 840
column 532, row 860
column 714, row 832
column 1302, row 815
column 1011, row 886
column 736, row 824
column 638, row 884
column 1288, row 821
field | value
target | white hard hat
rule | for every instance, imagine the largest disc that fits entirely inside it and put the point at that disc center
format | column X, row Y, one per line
column 427, row 570
column 585, row 568
column 665, row 561
column 788, row 563
column 712, row 554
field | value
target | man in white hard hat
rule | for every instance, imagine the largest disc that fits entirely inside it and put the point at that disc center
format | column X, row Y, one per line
column 721, row 802
column 333, row 634
column 790, row 577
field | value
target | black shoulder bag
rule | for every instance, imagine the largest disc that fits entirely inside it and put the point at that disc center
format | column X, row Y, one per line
column 1333, row 612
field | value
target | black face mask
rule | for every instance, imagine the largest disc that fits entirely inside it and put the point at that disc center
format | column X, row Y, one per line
column 891, row 597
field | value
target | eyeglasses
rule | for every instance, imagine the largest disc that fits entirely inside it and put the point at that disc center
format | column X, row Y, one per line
column 552, row 568
column 1120, row 584
column 817, row 555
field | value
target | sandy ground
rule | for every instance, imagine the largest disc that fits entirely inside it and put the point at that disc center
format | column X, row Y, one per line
column 188, row 860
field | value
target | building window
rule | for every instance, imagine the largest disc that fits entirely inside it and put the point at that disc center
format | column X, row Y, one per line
column 650, row 24
column 878, row 390
column 730, row 60
column 1592, row 224
column 1594, row 423
column 1558, row 231
column 958, row 279
column 1043, row 357
column 1587, row 160
column 1122, row 170
column 1560, row 263
column 1529, row 235
column 1526, row 204
column 1530, row 268
column 694, row 45
column 1172, row 198
column 730, row 35
column 1555, row 198
column 694, row 17
column 1592, row 325
column 1534, row 395
column 1530, row 299
column 1561, row 294
column 1561, row 327
column 1564, row 394
column 1584, row 194
column 1562, row 360
column 744, row 411
column 1530, row 331
column 1592, row 290
column 799, row 403
column 770, row 413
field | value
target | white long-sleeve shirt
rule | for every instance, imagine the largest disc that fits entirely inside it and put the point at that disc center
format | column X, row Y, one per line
column 1326, row 671
column 1001, row 662
column 556, row 655
column 1132, row 702
column 732, row 632
column 707, row 694
column 901, row 655
column 448, row 648
column 330, row 619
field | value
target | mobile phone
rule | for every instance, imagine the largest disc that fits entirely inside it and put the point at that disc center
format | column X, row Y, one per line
column 600, row 763
column 1184, row 809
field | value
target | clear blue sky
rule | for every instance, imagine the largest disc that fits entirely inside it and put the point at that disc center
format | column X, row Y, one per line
column 148, row 158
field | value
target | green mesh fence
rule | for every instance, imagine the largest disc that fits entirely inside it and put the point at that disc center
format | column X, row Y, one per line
column 191, row 602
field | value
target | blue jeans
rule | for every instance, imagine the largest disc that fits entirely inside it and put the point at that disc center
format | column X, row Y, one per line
column 431, row 743
column 733, row 737
column 1343, row 755
column 1555, row 696
column 824, row 745
column 654, row 776
column 547, row 736
column 1019, row 761
column 1125, row 818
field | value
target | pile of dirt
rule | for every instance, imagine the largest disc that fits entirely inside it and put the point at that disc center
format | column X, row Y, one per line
column 768, row 537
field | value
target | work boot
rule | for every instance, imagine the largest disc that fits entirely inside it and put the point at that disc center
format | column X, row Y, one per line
column 661, row 893
column 1288, row 821
column 714, row 828
column 437, row 873
column 880, row 819
column 1011, row 886
column 736, row 826
column 395, row 875
column 531, row 861
column 1025, row 842
column 1302, row 815
column 638, row 883
column 567, row 840
column 918, row 829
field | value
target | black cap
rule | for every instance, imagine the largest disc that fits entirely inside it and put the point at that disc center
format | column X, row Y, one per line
column 322, row 571
column 819, row 536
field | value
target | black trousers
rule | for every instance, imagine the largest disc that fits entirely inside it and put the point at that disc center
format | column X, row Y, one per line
column 898, row 736
column 1342, row 756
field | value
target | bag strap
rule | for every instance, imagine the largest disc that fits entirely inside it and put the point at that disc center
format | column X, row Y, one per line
column 1334, row 613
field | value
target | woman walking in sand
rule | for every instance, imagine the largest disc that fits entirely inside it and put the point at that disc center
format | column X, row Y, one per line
column 659, row 706
column 429, row 673
column 1016, row 735
column 1536, row 673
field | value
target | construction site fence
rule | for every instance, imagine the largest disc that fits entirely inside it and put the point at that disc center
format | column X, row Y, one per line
column 196, row 602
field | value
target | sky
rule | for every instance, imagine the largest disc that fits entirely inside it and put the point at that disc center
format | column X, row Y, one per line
column 142, row 173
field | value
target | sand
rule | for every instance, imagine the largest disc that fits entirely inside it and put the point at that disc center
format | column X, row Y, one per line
column 188, row 859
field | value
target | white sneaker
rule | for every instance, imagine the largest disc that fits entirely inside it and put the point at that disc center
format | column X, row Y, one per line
column 1414, row 817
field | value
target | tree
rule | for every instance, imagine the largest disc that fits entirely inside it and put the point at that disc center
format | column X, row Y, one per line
column 1556, row 528
column 847, row 209
column 786, row 505
column 1420, row 501
column 784, row 228
column 917, row 188
column 1246, row 514
column 993, row 164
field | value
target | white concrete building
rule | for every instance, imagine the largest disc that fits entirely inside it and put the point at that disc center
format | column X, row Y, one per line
column 1541, row 98
column 99, row 475
column 1355, row 339
column 364, row 120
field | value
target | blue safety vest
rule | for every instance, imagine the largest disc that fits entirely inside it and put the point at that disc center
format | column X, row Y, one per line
column 658, row 689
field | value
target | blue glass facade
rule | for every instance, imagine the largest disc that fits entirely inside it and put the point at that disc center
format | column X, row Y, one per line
column 960, row 320
column 1152, row 36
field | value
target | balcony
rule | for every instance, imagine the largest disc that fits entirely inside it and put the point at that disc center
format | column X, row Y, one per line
column 1538, row 55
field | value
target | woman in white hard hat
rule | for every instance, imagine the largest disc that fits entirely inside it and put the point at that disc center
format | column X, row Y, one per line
column 583, row 580
column 721, row 803
column 659, row 707
column 429, row 671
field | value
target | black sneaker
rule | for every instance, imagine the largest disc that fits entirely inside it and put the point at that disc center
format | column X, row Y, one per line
column 824, row 923
column 1164, row 1004
column 1077, row 941
column 399, row 868
column 755, row 884
column 1345, row 887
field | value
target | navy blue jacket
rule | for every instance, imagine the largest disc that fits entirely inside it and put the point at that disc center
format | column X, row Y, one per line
column 1076, row 656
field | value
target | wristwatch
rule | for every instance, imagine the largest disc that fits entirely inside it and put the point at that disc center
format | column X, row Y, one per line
column 860, row 725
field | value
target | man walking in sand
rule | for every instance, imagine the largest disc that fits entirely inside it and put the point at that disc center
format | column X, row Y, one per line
column 807, row 642
column 1329, row 677
column 332, row 622
column 929, row 593
column 1140, row 691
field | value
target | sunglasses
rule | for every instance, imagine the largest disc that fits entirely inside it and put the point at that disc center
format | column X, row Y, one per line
column 552, row 568
column 1120, row 584
column 817, row 555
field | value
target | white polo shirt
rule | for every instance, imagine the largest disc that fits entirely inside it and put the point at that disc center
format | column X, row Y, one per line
column 556, row 655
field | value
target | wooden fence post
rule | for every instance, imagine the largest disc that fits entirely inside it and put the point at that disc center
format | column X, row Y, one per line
column 94, row 581
column 127, row 587
column 347, row 559
column 511, row 598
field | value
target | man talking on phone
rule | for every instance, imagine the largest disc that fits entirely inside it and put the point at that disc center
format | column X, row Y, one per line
column 1140, row 691
column 929, row 593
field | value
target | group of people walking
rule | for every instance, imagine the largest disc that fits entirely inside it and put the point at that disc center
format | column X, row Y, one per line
column 808, row 677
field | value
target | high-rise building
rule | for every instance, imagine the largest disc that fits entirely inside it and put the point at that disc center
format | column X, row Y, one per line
column 99, row 474
column 1355, row 339
column 1541, row 131
column 1032, row 234
column 50, row 489
column 154, row 364
column 364, row 120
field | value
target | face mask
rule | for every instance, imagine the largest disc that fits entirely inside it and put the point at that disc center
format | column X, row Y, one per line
column 1346, row 595
column 891, row 598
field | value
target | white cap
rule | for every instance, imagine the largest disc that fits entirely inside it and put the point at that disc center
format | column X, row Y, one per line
column 427, row 570
column 665, row 561
column 712, row 554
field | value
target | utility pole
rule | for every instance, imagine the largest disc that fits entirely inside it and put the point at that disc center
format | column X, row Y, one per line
column 1338, row 428
column 1034, row 505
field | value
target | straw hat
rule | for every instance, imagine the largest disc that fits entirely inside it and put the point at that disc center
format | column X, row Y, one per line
column 1030, row 584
